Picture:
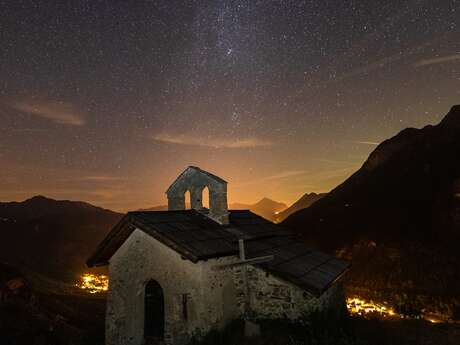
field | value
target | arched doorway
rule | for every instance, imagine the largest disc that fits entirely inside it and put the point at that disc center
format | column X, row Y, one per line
column 154, row 315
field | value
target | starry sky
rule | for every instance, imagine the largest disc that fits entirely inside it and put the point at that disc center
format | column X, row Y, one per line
column 107, row 101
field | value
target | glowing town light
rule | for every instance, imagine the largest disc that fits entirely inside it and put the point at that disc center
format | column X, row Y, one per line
column 93, row 283
column 361, row 307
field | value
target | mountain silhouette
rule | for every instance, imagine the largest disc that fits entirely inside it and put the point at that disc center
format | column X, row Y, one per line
column 53, row 237
column 398, row 220
column 305, row 201
column 265, row 207
column 407, row 189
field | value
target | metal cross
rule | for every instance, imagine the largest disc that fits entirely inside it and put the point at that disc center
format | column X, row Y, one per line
column 244, row 262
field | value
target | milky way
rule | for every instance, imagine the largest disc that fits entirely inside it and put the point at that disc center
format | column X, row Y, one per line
column 106, row 101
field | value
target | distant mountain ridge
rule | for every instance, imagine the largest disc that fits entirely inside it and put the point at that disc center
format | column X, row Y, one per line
column 54, row 237
column 265, row 207
column 305, row 201
column 42, row 206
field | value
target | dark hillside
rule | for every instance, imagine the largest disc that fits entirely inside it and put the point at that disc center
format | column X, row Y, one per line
column 408, row 189
column 50, row 236
column 37, row 310
column 398, row 220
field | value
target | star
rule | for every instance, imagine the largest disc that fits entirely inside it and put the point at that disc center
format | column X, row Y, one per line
column 90, row 89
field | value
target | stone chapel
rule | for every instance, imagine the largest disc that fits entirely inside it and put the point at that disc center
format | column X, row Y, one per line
column 180, row 273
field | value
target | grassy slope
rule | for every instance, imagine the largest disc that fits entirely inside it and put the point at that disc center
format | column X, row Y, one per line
column 45, row 311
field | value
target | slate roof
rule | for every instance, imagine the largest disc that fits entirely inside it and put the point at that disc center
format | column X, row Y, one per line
column 196, row 237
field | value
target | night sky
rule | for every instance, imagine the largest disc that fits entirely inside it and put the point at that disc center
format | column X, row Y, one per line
column 107, row 101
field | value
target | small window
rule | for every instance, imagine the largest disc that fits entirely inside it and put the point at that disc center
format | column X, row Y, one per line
column 205, row 197
column 188, row 202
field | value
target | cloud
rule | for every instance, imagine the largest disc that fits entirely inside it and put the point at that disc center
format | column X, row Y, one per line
column 93, row 179
column 284, row 174
column 437, row 60
column 373, row 143
column 29, row 130
column 58, row 112
column 326, row 175
column 196, row 140
column 100, row 178
column 383, row 62
column 320, row 180
column 334, row 161
column 270, row 178
column 371, row 66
